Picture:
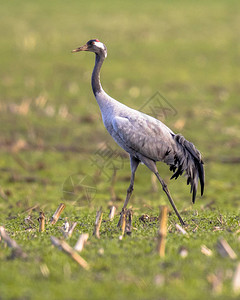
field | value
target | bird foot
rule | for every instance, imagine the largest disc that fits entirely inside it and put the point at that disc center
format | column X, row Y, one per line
column 120, row 222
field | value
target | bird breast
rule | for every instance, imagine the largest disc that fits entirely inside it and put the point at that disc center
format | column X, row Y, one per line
column 134, row 131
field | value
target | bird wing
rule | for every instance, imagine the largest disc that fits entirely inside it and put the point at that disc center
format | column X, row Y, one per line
column 144, row 135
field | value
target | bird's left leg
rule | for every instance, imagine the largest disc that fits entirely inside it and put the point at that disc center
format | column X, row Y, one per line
column 134, row 162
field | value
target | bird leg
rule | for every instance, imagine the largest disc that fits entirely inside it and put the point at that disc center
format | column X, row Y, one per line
column 152, row 166
column 129, row 193
column 134, row 164
column 165, row 189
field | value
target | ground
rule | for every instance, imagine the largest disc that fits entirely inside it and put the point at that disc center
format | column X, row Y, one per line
column 178, row 61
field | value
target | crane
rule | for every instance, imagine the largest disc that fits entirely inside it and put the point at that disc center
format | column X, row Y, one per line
column 146, row 139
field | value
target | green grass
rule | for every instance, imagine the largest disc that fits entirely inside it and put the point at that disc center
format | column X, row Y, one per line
column 51, row 129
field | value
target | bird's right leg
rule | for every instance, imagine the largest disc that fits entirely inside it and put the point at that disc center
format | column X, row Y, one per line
column 152, row 166
column 134, row 162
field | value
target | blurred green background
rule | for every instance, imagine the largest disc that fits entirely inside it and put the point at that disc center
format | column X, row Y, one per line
column 51, row 125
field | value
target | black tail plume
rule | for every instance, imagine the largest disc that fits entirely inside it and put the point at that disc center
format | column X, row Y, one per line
column 188, row 159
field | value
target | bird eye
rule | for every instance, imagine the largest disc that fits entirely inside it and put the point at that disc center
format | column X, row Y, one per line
column 90, row 43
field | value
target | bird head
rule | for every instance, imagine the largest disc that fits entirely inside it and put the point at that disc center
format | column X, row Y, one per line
column 93, row 46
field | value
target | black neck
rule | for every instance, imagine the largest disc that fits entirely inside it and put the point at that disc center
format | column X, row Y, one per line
column 96, row 85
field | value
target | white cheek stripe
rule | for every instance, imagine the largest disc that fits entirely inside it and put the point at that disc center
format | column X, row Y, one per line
column 99, row 45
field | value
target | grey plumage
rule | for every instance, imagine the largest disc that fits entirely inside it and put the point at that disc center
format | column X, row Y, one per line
column 145, row 138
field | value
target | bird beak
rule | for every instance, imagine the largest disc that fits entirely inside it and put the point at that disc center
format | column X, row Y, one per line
column 83, row 48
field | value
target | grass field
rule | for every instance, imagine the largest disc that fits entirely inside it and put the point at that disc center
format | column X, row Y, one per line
column 52, row 134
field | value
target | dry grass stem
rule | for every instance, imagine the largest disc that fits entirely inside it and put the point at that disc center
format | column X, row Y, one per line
column 96, row 231
column 162, row 233
column 57, row 213
column 16, row 249
column 236, row 280
column 180, row 229
column 225, row 250
column 112, row 213
column 206, row 251
column 216, row 282
column 81, row 242
column 62, row 245
column 44, row 270
column 30, row 209
column 67, row 229
column 71, row 229
column 41, row 221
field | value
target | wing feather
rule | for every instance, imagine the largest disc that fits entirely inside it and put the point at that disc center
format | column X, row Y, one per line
column 144, row 135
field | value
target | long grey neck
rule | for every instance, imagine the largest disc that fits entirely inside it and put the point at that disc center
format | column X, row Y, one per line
column 105, row 102
column 96, row 85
